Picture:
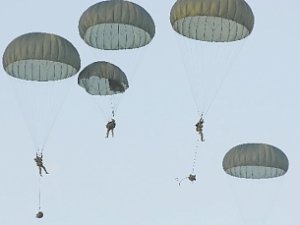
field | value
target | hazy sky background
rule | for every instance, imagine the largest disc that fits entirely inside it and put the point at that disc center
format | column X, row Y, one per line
column 130, row 179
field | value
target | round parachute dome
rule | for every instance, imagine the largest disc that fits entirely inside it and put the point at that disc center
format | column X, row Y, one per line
column 103, row 78
column 212, row 20
column 41, row 57
column 255, row 161
column 116, row 24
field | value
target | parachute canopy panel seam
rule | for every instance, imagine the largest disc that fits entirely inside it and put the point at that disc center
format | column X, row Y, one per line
column 255, row 172
column 116, row 36
column 212, row 29
column 121, row 15
column 235, row 12
column 40, row 70
column 253, row 158
column 41, row 46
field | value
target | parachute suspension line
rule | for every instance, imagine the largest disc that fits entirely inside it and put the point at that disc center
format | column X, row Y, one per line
column 39, row 151
column 97, row 104
column 183, row 58
column 217, row 59
column 224, row 54
column 202, row 65
column 201, row 114
column 235, row 52
column 132, row 74
column 48, row 109
column 56, row 114
column 100, row 108
column 216, row 94
column 194, row 94
column 40, row 106
column 196, row 69
column 15, row 86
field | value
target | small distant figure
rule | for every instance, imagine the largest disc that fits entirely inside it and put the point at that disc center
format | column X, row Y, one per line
column 39, row 215
column 110, row 126
column 199, row 128
column 191, row 177
column 39, row 162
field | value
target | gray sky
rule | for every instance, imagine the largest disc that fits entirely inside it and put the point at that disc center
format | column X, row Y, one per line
column 130, row 179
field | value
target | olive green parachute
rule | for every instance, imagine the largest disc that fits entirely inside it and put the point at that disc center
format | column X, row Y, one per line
column 212, row 20
column 116, row 24
column 255, row 161
column 41, row 57
column 103, row 78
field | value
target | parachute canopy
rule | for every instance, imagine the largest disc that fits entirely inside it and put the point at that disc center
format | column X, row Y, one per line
column 255, row 161
column 116, row 24
column 212, row 20
column 103, row 78
column 41, row 57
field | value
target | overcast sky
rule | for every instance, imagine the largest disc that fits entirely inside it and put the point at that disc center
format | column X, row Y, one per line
column 130, row 179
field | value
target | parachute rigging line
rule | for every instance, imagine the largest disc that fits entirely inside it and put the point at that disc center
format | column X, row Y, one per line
column 219, row 54
column 140, row 54
column 57, row 113
column 233, row 55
